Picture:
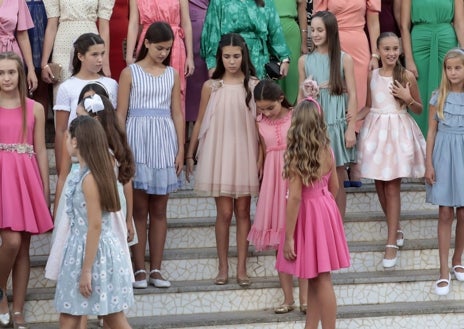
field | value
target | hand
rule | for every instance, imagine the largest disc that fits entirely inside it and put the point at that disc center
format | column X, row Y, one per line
column 32, row 81
column 47, row 75
column 179, row 162
column 401, row 92
column 429, row 175
column 130, row 230
column 189, row 67
column 85, row 283
column 284, row 69
column 289, row 249
column 373, row 64
column 411, row 66
column 350, row 138
column 189, row 169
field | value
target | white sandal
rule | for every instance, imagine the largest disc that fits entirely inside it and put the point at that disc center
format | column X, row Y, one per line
column 140, row 284
column 400, row 241
column 158, row 283
column 387, row 263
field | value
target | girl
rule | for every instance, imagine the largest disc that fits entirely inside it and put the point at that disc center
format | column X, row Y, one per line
column 149, row 108
column 328, row 63
column 95, row 276
column 314, row 241
column 89, row 50
column 391, row 145
column 228, row 150
column 445, row 143
column 269, row 222
column 24, row 192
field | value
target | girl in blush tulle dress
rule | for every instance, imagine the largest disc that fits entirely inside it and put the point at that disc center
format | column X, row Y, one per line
column 314, row 242
column 274, row 116
column 391, row 145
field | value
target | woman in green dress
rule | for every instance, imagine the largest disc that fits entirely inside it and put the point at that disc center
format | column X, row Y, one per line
column 256, row 21
column 437, row 26
column 294, row 24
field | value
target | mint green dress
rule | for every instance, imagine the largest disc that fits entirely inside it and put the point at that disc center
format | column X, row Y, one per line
column 259, row 26
column 288, row 14
column 432, row 35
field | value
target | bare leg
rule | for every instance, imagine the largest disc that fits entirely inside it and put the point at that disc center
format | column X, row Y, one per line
column 9, row 249
column 117, row 321
column 393, row 210
column 303, row 284
column 286, row 282
column 459, row 239
column 242, row 216
column 380, row 188
column 224, row 209
column 68, row 321
column 157, row 231
column 140, row 220
column 324, row 304
column 445, row 220
column 21, row 271
column 340, row 199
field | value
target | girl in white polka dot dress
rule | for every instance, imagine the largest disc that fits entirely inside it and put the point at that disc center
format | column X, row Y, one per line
column 391, row 145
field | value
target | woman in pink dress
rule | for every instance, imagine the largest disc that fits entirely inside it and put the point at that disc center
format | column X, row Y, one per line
column 15, row 20
column 176, row 14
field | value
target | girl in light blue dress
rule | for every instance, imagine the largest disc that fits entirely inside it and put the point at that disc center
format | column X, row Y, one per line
column 95, row 275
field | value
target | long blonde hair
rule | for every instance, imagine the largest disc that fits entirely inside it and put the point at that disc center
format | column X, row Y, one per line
column 22, row 88
column 445, row 85
column 307, row 139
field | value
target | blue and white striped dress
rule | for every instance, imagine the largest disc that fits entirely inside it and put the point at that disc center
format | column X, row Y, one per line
column 151, row 132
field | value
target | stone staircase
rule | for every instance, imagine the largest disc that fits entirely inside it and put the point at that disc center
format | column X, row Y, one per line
column 367, row 295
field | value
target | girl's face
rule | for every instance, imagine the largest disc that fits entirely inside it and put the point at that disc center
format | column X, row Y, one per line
column 80, row 110
column 389, row 50
column 159, row 51
column 232, row 58
column 270, row 109
column 71, row 144
column 92, row 60
column 9, row 75
column 318, row 32
column 455, row 70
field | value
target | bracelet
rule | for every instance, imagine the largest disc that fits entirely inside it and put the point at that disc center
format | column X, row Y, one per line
column 303, row 30
column 45, row 66
column 412, row 102
column 375, row 56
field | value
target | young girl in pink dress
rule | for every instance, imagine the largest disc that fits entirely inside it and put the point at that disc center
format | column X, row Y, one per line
column 274, row 116
column 24, row 188
column 228, row 149
column 391, row 145
column 174, row 12
column 313, row 243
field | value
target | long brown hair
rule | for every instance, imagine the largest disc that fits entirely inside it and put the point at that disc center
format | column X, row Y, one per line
column 22, row 88
column 94, row 149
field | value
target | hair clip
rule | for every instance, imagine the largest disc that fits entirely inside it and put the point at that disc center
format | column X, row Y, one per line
column 93, row 103
column 310, row 99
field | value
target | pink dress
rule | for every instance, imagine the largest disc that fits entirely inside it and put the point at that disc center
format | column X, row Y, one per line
column 351, row 18
column 22, row 202
column 168, row 11
column 391, row 144
column 269, row 221
column 228, row 144
column 14, row 17
column 320, row 242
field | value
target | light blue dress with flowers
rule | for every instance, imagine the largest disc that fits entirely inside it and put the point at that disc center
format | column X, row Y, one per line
column 111, row 272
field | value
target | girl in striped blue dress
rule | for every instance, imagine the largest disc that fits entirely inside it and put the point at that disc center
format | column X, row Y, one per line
column 149, row 108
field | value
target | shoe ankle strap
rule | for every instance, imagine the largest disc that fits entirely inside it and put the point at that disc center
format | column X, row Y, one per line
column 155, row 271
column 140, row 271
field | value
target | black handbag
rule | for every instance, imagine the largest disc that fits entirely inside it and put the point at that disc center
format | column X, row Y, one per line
column 273, row 69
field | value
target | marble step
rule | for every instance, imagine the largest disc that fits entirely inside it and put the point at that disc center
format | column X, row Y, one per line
column 199, row 297
column 424, row 315
column 201, row 263
column 199, row 232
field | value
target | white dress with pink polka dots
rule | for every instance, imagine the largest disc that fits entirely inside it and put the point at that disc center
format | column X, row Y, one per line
column 391, row 144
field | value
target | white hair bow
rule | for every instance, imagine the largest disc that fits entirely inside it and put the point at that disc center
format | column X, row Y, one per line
column 93, row 104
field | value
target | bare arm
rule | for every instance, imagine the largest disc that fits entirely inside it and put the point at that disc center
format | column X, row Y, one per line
column 348, row 67
column 132, row 31
column 405, row 26
column 397, row 11
column 431, row 134
column 65, row 168
column 301, row 76
column 40, row 148
column 125, row 81
column 187, row 27
column 409, row 94
column 373, row 26
column 178, row 118
column 25, row 45
column 365, row 110
column 458, row 21
column 104, row 31
column 49, row 40
column 61, row 125
column 295, row 186
column 129, row 195
column 303, row 23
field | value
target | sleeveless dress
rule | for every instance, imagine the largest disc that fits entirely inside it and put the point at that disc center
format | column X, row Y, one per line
column 118, row 32
column 111, row 272
column 320, row 242
column 228, row 144
column 270, row 216
column 168, row 11
column 37, row 34
column 22, row 203
column 334, row 107
column 391, row 144
column 432, row 35
column 150, row 131
column 448, row 154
